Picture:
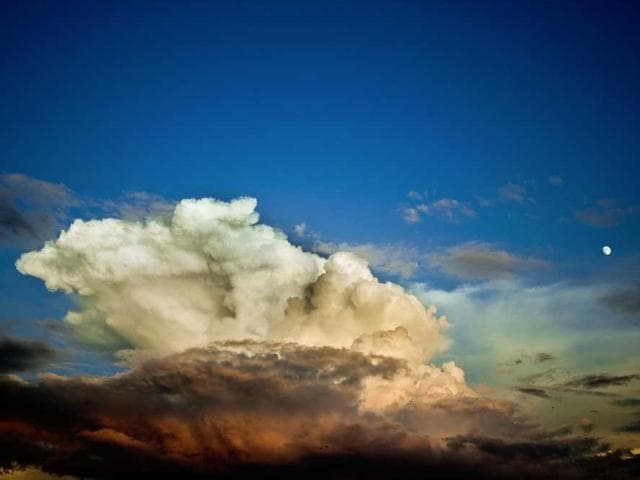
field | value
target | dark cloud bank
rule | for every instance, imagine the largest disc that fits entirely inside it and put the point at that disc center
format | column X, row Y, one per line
column 17, row 355
column 238, row 409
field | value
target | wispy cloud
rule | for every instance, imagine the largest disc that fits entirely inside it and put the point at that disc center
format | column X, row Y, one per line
column 623, row 300
column 452, row 210
column 601, row 380
column 508, row 318
column 512, row 192
column 448, row 209
column 483, row 201
column 477, row 261
column 555, row 180
column 137, row 206
column 534, row 391
column 606, row 214
column 410, row 215
column 544, row 357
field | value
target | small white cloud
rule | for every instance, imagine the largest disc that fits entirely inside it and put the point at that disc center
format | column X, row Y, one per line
column 300, row 229
column 453, row 210
column 449, row 209
column 415, row 195
column 512, row 192
column 410, row 215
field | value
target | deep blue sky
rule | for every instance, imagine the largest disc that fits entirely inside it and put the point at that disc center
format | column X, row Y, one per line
column 325, row 108
column 331, row 112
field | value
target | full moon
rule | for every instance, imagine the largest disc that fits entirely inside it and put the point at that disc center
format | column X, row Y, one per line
column 606, row 250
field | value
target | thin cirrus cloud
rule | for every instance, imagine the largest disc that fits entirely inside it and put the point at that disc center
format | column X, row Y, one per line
column 606, row 214
column 506, row 318
column 556, row 180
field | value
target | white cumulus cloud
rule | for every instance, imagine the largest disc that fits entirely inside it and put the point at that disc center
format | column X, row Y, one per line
column 212, row 273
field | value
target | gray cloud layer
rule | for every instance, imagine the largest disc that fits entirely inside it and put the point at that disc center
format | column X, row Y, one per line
column 477, row 261
column 31, row 210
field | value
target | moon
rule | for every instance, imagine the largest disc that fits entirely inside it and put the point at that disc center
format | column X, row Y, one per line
column 606, row 250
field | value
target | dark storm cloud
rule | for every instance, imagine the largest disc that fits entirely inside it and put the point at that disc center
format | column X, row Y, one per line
column 625, row 301
column 18, row 355
column 278, row 411
column 578, row 457
column 598, row 381
column 200, row 408
column 528, row 450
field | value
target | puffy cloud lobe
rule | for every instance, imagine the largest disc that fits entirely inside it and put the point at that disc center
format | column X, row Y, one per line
column 209, row 274
column 402, row 260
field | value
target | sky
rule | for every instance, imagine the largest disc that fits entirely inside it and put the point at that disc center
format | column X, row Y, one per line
column 409, row 161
